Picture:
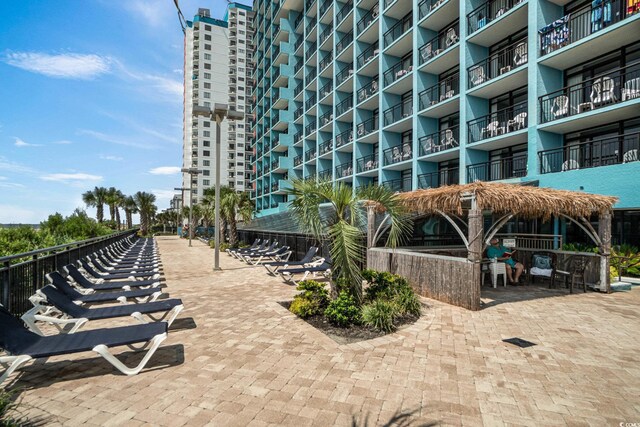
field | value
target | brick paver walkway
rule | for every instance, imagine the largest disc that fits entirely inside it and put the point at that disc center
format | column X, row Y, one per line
column 236, row 357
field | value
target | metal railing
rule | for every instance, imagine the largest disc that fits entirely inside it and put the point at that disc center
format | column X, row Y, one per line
column 311, row 76
column 578, row 25
column 310, row 154
column 425, row 7
column 534, row 241
column 504, row 168
column 488, row 12
column 366, row 127
column 445, row 89
column 344, row 74
column 368, row 90
column 298, row 243
column 297, row 161
column 311, row 101
column 499, row 63
column 607, row 151
column 325, row 118
column 618, row 85
column 501, row 122
column 439, row 141
column 344, row 42
column 344, row 11
column 368, row 19
column 446, row 38
column 324, row 175
column 398, row 185
column 310, row 51
column 368, row 55
column 367, row 163
column 298, row 113
column 297, row 90
column 344, row 170
column 398, row 29
column 22, row 274
column 344, row 106
column 398, row 112
column 399, row 70
column 344, row 138
column 326, row 61
column 398, row 154
column 445, row 176
column 324, row 7
column 325, row 147
column 325, row 90
column 311, row 127
column 297, row 137
column 325, row 35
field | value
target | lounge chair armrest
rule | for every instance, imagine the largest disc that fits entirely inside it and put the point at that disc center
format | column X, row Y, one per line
column 64, row 325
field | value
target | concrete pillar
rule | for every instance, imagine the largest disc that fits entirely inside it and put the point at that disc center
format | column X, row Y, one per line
column 604, row 232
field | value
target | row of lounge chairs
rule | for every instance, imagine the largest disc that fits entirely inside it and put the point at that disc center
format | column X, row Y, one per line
column 125, row 275
column 277, row 262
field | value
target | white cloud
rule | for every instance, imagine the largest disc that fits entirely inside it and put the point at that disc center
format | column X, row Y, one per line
column 10, row 166
column 165, row 170
column 112, row 158
column 20, row 143
column 63, row 65
column 163, row 195
column 114, row 139
column 152, row 13
column 70, row 177
column 63, row 142
column 11, row 214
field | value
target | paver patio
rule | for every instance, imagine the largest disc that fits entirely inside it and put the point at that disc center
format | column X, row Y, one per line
column 237, row 357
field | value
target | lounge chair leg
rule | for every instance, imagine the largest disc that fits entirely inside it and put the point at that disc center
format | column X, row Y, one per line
column 103, row 351
column 11, row 363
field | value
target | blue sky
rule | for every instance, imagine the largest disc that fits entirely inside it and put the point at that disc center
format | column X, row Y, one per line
column 91, row 94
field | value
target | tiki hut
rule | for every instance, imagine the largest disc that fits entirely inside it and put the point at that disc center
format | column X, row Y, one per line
column 457, row 280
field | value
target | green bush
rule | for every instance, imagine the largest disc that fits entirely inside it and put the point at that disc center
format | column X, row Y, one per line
column 223, row 246
column 343, row 311
column 303, row 307
column 312, row 300
column 407, row 303
column 379, row 315
column 383, row 285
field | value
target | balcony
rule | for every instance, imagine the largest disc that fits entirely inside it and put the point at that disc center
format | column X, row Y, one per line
column 434, row 14
column 441, row 99
column 440, row 143
column 499, row 125
column 344, row 11
column 326, row 120
column 366, row 131
column 398, row 154
column 297, row 138
column 297, row 161
column 398, row 40
column 441, row 52
column 345, row 42
column 324, row 65
column 505, row 168
column 593, row 102
column 367, row 32
column 398, row 185
column 344, row 140
column 311, row 102
column 366, row 57
column 367, row 165
column 326, row 35
column 566, row 41
column 324, row 92
column 325, row 149
column 311, row 50
column 445, row 176
column 398, row 113
column 495, row 20
column 310, row 129
column 507, row 65
column 345, row 170
column 401, row 69
column 310, row 155
column 608, row 151
column 324, row 175
column 344, row 107
column 367, row 92
column 344, row 75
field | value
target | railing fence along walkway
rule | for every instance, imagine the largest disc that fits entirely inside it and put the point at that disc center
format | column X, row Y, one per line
column 22, row 274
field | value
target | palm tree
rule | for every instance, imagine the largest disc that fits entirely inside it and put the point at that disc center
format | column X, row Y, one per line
column 114, row 199
column 210, row 195
column 232, row 206
column 120, row 198
column 344, row 225
column 145, row 203
column 96, row 198
column 130, row 207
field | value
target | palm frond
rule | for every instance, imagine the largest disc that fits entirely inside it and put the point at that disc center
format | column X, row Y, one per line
column 346, row 254
column 308, row 195
column 387, row 201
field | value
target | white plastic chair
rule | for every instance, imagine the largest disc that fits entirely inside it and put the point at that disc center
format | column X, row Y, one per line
column 520, row 54
column 631, row 89
column 570, row 165
column 496, row 268
column 560, row 106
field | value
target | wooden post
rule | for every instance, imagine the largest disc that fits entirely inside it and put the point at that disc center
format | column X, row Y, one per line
column 604, row 232
column 474, row 254
column 371, row 225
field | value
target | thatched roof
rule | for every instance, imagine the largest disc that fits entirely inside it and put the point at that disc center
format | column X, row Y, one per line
column 521, row 200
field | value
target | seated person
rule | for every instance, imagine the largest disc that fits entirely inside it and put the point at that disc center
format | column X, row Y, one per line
column 503, row 254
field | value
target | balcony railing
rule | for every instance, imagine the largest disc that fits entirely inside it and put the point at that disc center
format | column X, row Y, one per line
column 344, row 106
column 439, row 141
column 344, row 74
column 325, row 147
column 325, row 35
column 367, row 163
column 607, row 151
column 298, row 113
column 297, row 138
column 325, row 118
column 344, row 42
column 326, row 61
column 368, row 90
column 399, row 70
column 368, row 55
column 501, row 122
column 325, row 90
column 508, row 167
column 324, row 175
column 344, row 11
column 366, row 127
column 398, row 154
column 344, row 170
column 298, row 89
column 501, row 62
column 446, row 89
column 398, row 112
column 445, row 39
column 311, row 50
column 368, row 18
column 344, row 138
column 312, row 25
column 425, row 7
column 398, row 29
column 310, row 154
column 325, row 6
column 488, row 12
column 297, row 161
column 606, row 89
column 445, row 176
column 311, row 101
column 312, row 75
column 298, row 21
column 398, row 185
column 578, row 25
column 311, row 127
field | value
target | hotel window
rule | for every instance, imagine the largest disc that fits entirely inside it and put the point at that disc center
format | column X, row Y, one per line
column 206, row 95
column 207, row 75
column 207, row 27
column 206, row 163
column 205, row 181
column 207, row 47
column 206, row 143
column 207, row 104
column 206, row 124
column 207, row 56
column 205, row 172
column 206, row 153
column 207, row 85
column 207, row 37
column 207, row 66
column 206, row 133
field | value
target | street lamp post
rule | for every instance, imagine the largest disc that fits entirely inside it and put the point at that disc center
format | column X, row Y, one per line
column 218, row 113
column 183, row 189
column 176, row 205
column 191, row 172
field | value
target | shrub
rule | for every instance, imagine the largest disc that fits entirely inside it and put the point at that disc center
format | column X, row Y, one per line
column 379, row 315
column 384, row 285
column 313, row 299
column 302, row 307
column 343, row 311
column 407, row 303
column 223, row 246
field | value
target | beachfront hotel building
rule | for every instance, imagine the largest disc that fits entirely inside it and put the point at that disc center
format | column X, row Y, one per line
column 217, row 57
column 416, row 94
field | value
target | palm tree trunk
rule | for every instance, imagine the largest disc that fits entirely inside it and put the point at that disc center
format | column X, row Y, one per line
column 112, row 212
column 129, row 219
column 223, row 229
column 117, row 218
column 233, row 233
column 100, row 212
